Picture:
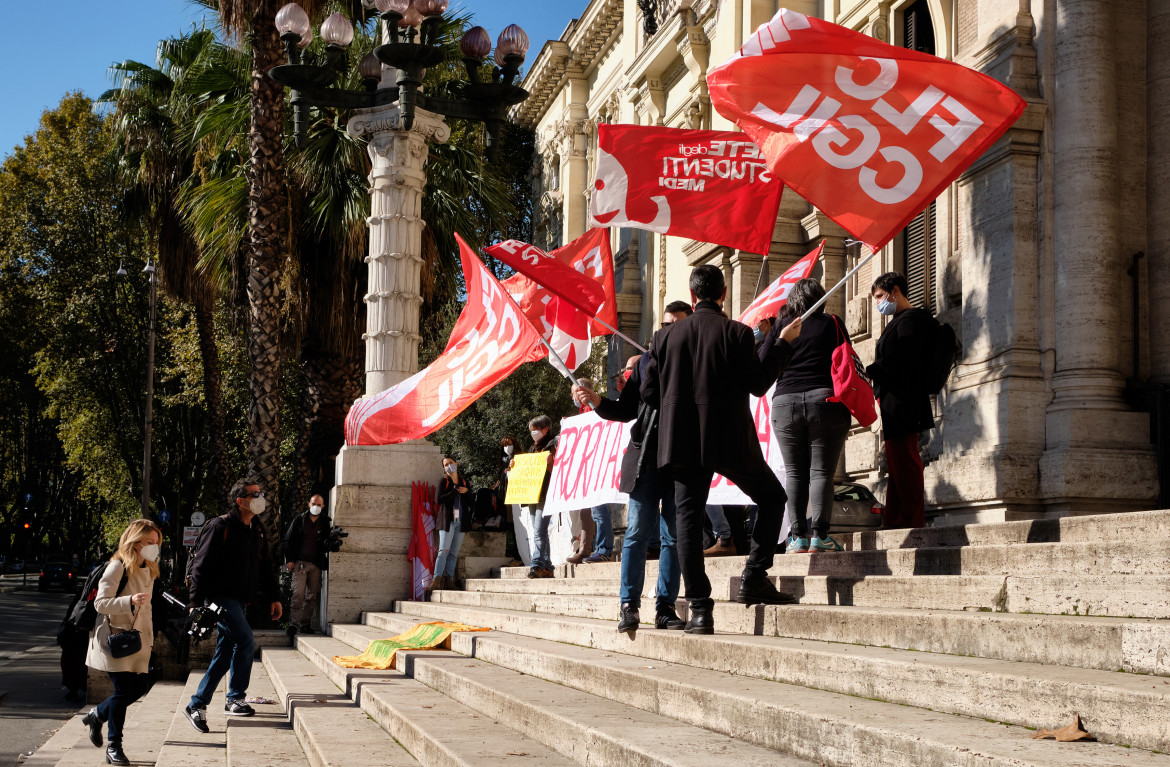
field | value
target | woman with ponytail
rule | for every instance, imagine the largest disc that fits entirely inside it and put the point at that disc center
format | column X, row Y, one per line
column 123, row 603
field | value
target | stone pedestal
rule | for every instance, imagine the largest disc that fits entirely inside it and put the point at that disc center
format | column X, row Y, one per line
column 372, row 501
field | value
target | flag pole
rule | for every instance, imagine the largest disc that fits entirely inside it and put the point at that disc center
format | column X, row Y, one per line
column 760, row 278
column 562, row 367
column 834, row 289
column 629, row 340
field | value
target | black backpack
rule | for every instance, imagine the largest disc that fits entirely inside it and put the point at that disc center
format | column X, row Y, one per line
column 82, row 615
column 944, row 351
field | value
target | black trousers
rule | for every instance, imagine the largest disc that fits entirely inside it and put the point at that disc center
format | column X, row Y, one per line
column 692, row 485
column 128, row 687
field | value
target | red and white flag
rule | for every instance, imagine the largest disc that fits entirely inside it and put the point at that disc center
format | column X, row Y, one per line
column 866, row 131
column 567, row 329
column 711, row 186
column 491, row 339
column 420, row 553
column 773, row 298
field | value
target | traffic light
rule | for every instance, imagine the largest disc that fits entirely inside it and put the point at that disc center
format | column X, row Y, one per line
column 26, row 525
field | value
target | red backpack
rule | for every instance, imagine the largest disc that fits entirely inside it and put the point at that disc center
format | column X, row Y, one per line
column 851, row 386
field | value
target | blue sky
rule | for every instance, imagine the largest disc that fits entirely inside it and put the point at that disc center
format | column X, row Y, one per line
column 43, row 59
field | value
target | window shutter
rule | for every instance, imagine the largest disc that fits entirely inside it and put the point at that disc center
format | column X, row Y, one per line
column 918, row 238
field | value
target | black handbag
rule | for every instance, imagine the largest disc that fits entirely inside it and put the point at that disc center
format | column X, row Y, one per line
column 124, row 643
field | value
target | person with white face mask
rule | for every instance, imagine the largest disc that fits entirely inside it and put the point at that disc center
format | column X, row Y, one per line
column 543, row 440
column 452, row 520
column 231, row 565
column 306, row 557
column 123, row 603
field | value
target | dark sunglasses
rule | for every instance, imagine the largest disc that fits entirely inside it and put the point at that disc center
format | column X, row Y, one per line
column 254, row 495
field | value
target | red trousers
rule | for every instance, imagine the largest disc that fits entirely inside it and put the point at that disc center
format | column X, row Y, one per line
column 905, row 490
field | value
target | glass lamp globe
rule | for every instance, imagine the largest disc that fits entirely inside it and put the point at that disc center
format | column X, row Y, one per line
column 337, row 30
column 292, row 19
column 476, row 43
column 397, row 6
column 370, row 67
column 431, row 7
column 513, row 40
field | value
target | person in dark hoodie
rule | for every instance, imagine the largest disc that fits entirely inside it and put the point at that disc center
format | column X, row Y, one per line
column 898, row 372
column 231, row 565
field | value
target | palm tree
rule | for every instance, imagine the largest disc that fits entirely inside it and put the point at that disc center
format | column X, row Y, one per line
column 153, row 108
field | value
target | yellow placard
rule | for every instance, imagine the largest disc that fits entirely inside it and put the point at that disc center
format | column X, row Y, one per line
column 526, row 478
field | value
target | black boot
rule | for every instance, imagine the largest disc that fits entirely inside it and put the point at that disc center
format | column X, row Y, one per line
column 702, row 621
column 94, row 723
column 115, row 754
column 629, row 618
column 666, row 618
column 760, row 591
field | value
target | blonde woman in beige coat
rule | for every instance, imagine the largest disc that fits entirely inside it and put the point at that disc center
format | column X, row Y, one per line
column 120, row 610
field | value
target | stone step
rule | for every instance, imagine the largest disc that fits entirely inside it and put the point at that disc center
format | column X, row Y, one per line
column 142, row 736
column 1134, row 645
column 1131, row 528
column 823, row 727
column 266, row 739
column 438, row 731
column 1123, row 596
column 1129, row 709
column 1141, row 557
column 585, row 728
column 332, row 729
column 187, row 747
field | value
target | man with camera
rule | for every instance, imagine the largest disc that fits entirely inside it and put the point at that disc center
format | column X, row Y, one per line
column 231, row 564
column 306, row 544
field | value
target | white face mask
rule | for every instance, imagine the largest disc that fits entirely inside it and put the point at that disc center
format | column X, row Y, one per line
column 315, row 510
column 258, row 505
column 508, row 449
column 449, row 468
column 535, row 436
column 150, row 553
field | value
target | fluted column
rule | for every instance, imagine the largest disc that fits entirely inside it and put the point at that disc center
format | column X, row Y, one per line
column 1158, row 188
column 397, row 180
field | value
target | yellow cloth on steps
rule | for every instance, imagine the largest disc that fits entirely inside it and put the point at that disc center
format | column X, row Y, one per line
column 381, row 653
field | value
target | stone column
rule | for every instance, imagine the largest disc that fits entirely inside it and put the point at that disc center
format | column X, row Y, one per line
column 1158, row 188
column 372, row 497
column 1098, row 456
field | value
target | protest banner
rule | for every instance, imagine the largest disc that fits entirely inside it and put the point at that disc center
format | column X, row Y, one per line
column 589, row 458
column 526, row 478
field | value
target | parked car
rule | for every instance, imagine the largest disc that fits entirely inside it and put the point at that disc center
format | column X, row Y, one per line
column 57, row 575
column 855, row 509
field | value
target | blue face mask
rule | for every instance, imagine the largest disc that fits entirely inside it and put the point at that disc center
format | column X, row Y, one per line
column 887, row 307
column 758, row 335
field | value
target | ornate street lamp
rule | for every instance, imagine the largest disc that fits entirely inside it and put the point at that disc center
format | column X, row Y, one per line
column 375, row 483
column 411, row 32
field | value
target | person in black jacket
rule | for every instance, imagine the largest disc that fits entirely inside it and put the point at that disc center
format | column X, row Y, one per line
column 231, row 565
column 809, row 429
column 699, row 376
column 306, row 557
column 898, row 371
column 646, row 487
column 543, row 440
column 452, row 520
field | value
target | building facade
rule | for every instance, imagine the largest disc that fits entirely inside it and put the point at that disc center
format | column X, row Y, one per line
column 1050, row 256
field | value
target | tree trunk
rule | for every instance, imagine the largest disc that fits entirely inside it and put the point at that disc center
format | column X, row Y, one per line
column 268, row 229
column 221, row 466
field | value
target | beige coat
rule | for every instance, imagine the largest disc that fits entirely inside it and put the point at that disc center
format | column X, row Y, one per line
column 114, row 610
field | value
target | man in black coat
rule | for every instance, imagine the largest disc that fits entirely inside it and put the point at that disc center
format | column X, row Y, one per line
column 232, row 564
column 898, row 372
column 699, row 377
column 306, row 556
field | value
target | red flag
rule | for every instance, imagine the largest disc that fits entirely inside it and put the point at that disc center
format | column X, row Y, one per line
column 420, row 552
column 490, row 340
column 711, row 186
column 563, row 327
column 769, row 302
column 867, row 132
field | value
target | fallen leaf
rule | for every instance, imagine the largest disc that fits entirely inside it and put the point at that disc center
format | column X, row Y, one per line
column 517, row 753
column 1067, row 734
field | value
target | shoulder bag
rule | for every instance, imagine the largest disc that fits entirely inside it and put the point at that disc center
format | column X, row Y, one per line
column 851, row 386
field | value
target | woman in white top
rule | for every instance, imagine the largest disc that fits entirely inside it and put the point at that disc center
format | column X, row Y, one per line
column 120, row 609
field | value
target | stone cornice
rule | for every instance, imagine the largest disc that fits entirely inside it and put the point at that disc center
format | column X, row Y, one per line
column 558, row 59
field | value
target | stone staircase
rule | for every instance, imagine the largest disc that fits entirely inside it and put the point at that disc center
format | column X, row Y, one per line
column 941, row 646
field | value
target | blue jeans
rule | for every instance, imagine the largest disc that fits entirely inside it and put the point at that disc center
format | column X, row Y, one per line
column 811, row 434
column 449, row 542
column 538, row 544
column 643, row 521
column 603, row 541
column 234, row 651
column 128, row 687
column 719, row 524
